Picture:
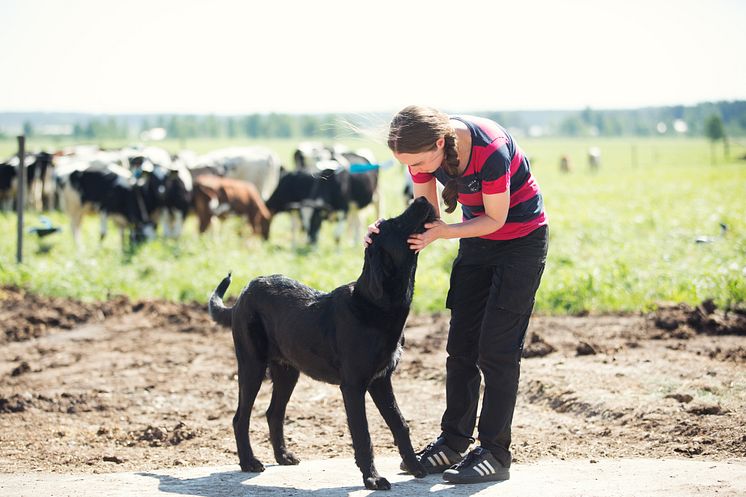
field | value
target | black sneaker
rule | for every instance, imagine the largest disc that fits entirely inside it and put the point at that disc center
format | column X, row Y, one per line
column 478, row 466
column 436, row 457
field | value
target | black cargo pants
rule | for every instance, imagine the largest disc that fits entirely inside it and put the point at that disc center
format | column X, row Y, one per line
column 493, row 284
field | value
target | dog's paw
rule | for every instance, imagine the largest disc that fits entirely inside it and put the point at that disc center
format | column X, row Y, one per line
column 417, row 469
column 286, row 459
column 252, row 466
column 377, row 483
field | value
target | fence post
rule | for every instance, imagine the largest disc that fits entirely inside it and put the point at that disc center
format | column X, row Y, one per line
column 21, row 194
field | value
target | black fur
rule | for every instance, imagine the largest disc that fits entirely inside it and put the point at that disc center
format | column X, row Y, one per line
column 349, row 337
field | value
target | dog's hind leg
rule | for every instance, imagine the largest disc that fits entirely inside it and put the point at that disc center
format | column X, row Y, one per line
column 354, row 399
column 284, row 378
column 251, row 371
column 382, row 394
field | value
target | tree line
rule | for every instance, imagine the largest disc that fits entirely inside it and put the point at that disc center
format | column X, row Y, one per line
column 698, row 120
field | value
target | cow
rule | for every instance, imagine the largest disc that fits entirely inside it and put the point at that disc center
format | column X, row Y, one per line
column 167, row 193
column 257, row 165
column 111, row 191
column 39, row 181
column 362, row 190
column 8, row 172
column 215, row 196
column 312, row 197
column 315, row 157
column 191, row 161
column 594, row 159
column 361, row 182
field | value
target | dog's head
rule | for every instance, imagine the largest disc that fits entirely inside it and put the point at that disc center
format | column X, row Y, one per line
column 389, row 262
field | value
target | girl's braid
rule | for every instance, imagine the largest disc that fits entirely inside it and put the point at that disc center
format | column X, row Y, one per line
column 450, row 165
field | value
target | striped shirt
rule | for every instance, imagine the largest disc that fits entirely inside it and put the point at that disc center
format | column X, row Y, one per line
column 496, row 165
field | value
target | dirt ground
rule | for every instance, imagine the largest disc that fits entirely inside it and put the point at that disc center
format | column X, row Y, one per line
column 130, row 386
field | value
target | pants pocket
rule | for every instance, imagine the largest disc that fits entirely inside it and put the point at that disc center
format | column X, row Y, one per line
column 518, row 285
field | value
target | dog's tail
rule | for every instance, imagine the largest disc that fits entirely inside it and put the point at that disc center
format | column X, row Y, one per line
column 218, row 311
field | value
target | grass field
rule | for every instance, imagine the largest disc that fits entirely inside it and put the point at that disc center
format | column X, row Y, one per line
column 622, row 239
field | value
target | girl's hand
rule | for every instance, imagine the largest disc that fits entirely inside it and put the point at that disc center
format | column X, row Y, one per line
column 373, row 228
column 433, row 231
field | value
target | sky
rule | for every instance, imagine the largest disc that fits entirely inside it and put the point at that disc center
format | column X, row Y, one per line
column 239, row 57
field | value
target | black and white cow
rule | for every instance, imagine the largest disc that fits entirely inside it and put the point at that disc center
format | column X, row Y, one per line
column 310, row 197
column 8, row 174
column 39, row 181
column 363, row 189
column 111, row 192
column 166, row 186
column 167, row 193
column 315, row 157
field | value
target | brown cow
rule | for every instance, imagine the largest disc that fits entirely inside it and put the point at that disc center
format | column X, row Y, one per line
column 217, row 196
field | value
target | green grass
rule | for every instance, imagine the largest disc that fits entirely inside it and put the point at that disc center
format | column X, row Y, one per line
column 622, row 239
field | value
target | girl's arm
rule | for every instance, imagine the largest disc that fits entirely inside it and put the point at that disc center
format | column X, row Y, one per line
column 495, row 212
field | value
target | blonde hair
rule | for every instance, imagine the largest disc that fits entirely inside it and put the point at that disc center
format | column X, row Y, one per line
column 415, row 129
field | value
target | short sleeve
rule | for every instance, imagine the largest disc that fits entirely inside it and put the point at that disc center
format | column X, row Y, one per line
column 495, row 171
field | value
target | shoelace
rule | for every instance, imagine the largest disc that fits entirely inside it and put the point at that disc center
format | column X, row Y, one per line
column 429, row 446
column 466, row 461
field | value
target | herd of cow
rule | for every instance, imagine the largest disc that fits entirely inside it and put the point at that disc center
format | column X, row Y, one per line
column 144, row 190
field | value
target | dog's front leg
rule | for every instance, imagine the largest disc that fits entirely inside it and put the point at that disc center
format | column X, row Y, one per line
column 382, row 394
column 354, row 399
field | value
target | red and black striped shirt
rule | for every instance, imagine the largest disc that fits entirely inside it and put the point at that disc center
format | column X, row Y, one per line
column 496, row 165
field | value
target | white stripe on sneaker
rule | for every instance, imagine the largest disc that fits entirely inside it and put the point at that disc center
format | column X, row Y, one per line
column 442, row 458
column 486, row 467
column 432, row 460
column 479, row 470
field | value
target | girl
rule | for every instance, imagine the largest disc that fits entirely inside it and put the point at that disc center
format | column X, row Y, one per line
column 502, row 250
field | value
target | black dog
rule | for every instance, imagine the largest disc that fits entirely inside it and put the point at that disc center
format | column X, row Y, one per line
column 350, row 337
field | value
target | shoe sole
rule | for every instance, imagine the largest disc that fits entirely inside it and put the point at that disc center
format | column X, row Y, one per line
column 456, row 478
column 431, row 470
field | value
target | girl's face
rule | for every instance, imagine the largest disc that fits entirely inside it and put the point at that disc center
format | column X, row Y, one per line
column 424, row 162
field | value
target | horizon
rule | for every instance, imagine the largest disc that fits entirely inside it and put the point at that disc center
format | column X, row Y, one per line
column 230, row 58
column 361, row 113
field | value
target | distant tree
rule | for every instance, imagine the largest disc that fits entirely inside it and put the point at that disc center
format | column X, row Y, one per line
column 641, row 126
column 677, row 112
column 499, row 117
column 28, row 129
column 610, row 125
column 252, row 125
column 587, row 116
column 114, row 129
column 210, row 126
column 78, row 130
column 231, row 127
column 309, row 126
column 280, row 126
column 146, row 125
column 182, row 127
column 715, row 131
column 572, row 126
